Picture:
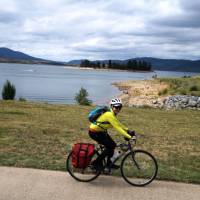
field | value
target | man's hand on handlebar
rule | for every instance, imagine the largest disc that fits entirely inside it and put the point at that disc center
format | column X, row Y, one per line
column 131, row 133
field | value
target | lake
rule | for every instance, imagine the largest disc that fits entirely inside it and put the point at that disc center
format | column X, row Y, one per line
column 59, row 84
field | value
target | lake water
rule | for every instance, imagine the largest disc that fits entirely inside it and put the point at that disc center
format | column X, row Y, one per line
column 59, row 84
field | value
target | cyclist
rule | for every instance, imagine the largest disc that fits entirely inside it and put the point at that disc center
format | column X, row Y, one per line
column 98, row 132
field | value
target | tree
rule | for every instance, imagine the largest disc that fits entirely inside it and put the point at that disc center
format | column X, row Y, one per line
column 98, row 64
column 81, row 97
column 109, row 64
column 9, row 91
column 129, row 64
column 85, row 63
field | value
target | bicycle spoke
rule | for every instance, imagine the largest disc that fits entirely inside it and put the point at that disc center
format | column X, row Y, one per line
column 84, row 175
column 139, row 168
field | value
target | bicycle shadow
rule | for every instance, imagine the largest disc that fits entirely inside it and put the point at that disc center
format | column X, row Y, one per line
column 112, row 181
column 108, row 181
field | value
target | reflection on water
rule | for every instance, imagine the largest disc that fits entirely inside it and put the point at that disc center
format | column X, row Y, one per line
column 58, row 84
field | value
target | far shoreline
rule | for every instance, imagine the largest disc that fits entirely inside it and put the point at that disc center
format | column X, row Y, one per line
column 78, row 67
column 89, row 68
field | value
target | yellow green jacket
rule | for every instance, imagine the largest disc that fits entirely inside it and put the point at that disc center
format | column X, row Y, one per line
column 113, row 122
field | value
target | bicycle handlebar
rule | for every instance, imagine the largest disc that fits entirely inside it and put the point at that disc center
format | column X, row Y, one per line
column 134, row 137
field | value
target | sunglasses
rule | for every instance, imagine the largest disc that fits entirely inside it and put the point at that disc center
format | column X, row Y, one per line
column 118, row 107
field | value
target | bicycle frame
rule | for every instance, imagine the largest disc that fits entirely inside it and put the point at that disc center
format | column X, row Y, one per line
column 129, row 149
column 122, row 154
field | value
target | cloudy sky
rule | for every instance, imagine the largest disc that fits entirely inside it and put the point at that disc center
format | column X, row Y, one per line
column 101, row 29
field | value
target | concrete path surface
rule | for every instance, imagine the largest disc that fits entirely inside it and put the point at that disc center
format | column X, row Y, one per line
column 33, row 184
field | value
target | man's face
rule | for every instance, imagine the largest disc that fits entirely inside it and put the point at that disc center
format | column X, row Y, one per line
column 116, row 109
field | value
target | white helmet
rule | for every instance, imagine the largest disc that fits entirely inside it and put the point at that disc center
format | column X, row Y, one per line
column 116, row 102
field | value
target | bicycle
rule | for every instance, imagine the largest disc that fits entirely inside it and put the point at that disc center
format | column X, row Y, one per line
column 138, row 167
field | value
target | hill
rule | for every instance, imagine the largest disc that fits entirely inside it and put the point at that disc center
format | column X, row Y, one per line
column 173, row 64
column 10, row 56
column 6, row 53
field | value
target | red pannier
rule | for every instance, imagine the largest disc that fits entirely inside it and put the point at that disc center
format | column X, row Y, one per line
column 82, row 154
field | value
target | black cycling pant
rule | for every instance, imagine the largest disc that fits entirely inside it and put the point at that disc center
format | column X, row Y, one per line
column 104, row 139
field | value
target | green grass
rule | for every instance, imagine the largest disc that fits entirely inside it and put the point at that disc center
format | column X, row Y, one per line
column 39, row 135
column 182, row 86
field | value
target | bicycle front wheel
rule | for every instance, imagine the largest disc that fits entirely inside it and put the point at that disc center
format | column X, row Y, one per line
column 139, row 168
column 84, row 175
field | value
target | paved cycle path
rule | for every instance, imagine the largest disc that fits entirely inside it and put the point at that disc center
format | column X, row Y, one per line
column 33, row 184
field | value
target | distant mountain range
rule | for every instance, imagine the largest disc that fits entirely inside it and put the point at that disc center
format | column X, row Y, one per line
column 158, row 64
column 8, row 55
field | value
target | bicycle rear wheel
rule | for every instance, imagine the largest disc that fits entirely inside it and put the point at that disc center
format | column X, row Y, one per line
column 139, row 168
column 83, row 175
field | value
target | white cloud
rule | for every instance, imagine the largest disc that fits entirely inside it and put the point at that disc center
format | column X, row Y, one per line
column 100, row 29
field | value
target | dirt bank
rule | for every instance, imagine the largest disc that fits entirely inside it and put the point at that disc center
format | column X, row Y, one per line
column 143, row 92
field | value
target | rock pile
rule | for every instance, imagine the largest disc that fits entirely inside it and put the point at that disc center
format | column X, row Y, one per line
column 181, row 101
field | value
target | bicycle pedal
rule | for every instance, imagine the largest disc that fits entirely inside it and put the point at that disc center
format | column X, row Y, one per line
column 107, row 171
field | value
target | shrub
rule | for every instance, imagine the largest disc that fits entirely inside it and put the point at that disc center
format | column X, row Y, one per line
column 155, row 76
column 9, row 91
column 81, row 97
column 186, row 76
column 183, row 91
column 22, row 99
column 163, row 92
column 194, row 88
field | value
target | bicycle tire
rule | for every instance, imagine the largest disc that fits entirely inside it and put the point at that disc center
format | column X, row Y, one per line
column 83, row 175
column 130, row 168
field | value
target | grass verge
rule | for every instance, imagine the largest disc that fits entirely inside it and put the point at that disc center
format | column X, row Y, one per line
column 182, row 86
column 39, row 135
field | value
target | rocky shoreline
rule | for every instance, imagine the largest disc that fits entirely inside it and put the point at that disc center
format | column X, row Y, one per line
column 146, row 93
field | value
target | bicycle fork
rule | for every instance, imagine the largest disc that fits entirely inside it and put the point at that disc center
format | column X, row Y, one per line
column 133, row 157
